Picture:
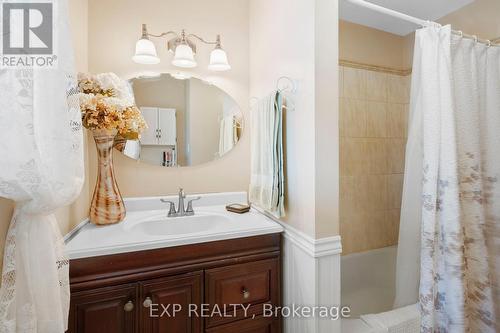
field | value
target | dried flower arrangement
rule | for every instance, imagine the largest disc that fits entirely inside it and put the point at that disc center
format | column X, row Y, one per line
column 107, row 104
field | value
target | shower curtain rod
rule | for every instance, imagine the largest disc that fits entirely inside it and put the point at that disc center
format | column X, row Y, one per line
column 415, row 20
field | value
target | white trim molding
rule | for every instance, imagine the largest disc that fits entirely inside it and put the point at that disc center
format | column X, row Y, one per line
column 316, row 248
column 311, row 277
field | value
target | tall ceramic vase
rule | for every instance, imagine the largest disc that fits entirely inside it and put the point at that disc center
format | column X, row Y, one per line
column 107, row 204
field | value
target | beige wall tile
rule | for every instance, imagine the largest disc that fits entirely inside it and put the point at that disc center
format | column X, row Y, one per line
column 394, row 190
column 370, row 193
column 376, row 150
column 355, row 83
column 373, row 120
column 376, row 120
column 396, row 155
column 376, row 86
column 396, row 120
column 341, row 81
column 406, row 118
column 353, row 117
column 398, row 89
column 354, row 158
column 353, row 228
column 347, row 194
column 378, row 230
column 393, row 219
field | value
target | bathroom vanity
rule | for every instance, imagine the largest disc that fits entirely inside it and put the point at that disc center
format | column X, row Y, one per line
column 211, row 272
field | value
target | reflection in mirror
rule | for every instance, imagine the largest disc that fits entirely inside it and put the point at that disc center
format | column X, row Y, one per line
column 190, row 122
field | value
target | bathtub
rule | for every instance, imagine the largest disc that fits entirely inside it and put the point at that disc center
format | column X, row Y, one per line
column 368, row 281
column 368, row 288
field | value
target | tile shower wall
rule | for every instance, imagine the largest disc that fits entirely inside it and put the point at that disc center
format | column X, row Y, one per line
column 373, row 129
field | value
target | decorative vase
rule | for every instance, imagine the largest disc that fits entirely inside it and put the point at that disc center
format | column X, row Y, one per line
column 107, row 204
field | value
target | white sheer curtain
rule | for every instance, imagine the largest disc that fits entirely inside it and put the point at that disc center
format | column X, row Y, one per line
column 456, row 110
column 41, row 169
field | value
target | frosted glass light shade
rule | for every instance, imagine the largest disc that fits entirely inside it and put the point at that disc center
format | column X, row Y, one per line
column 218, row 61
column 184, row 57
column 145, row 52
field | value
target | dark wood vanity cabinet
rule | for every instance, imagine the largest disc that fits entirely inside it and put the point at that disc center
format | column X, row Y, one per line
column 104, row 310
column 183, row 289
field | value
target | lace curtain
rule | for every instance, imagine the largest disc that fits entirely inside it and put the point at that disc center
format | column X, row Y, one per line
column 456, row 107
column 41, row 169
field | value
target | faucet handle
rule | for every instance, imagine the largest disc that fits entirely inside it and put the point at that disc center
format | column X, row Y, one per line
column 190, row 205
column 171, row 211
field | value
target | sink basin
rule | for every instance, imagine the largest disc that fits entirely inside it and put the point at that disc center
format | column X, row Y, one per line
column 180, row 225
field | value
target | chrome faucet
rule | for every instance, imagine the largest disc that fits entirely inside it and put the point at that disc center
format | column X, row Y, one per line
column 181, row 209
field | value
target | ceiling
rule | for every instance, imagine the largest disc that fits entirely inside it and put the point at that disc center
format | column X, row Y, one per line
column 423, row 9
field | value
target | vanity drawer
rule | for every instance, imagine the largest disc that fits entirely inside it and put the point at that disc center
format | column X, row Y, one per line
column 252, row 284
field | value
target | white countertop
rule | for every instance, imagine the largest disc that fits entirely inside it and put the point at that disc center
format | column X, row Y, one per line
column 147, row 227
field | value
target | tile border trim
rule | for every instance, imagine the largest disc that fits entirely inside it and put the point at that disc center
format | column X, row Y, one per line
column 375, row 68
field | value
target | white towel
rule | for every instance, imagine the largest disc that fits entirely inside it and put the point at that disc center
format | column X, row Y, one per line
column 228, row 135
column 401, row 320
column 267, row 175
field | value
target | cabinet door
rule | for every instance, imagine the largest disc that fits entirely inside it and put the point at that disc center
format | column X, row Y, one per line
column 150, row 135
column 104, row 310
column 167, row 293
column 168, row 127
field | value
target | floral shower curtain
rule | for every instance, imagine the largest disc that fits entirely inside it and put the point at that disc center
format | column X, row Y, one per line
column 41, row 169
column 457, row 98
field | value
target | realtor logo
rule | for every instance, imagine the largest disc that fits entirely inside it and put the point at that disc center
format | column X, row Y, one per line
column 27, row 28
column 27, row 34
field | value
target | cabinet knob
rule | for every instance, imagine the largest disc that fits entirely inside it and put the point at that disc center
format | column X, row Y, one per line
column 246, row 293
column 147, row 302
column 129, row 306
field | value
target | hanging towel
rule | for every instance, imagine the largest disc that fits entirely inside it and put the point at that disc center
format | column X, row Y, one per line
column 402, row 320
column 267, row 181
column 228, row 134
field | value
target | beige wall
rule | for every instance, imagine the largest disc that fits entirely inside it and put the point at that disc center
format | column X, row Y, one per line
column 480, row 18
column 374, row 47
column 115, row 26
column 300, row 42
column 374, row 113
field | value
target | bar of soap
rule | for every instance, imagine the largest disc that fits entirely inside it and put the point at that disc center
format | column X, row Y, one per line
column 238, row 208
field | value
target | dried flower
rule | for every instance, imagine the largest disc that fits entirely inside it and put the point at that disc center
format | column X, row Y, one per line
column 106, row 102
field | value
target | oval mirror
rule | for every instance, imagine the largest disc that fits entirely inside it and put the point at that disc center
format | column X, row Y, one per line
column 190, row 122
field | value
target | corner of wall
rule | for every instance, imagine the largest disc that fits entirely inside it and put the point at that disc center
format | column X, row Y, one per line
column 327, row 138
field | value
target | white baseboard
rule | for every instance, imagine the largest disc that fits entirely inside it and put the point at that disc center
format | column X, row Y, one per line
column 311, row 277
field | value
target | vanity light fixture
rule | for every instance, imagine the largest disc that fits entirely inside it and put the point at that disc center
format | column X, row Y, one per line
column 184, row 50
column 145, row 50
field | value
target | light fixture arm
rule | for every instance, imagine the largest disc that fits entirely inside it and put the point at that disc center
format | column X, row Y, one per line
column 216, row 42
column 183, row 36
column 164, row 34
column 146, row 34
